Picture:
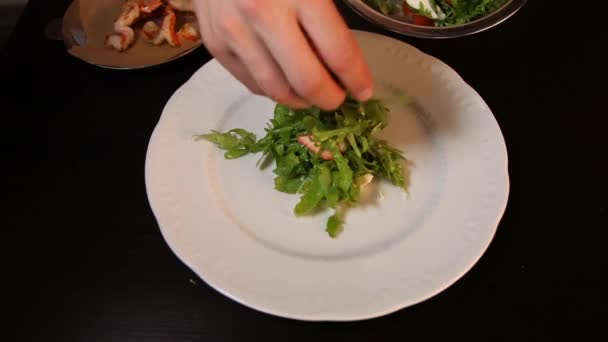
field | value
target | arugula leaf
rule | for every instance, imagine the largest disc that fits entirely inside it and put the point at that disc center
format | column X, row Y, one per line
column 286, row 164
column 334, row 226
column 353, row 143
column 321, row 179
column 460, row 12
column 344, row 177
column 333, row 196
column 238, row 142
column 288, row 185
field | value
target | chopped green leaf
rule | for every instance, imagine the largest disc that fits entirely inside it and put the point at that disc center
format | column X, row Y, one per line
column 334, row 226
column 321, row 179
column 288, row 185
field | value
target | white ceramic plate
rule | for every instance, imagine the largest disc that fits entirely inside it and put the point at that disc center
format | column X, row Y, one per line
column 227, row 223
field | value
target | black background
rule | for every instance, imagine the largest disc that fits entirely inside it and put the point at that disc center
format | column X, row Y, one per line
column 88, row 263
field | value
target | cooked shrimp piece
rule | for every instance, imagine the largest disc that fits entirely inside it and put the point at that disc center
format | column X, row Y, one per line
column 188, row 31
column 182, row 5
column 309, row 143
column 128, row 17
column 124, row 35
column 149, row 6
column 167, row 29
column 122, row 39
column 150, row 30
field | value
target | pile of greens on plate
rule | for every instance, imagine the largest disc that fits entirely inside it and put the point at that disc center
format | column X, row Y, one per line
column 326, row 156
column 437, row 12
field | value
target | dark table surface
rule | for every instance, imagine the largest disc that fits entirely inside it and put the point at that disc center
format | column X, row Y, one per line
column 88, row 262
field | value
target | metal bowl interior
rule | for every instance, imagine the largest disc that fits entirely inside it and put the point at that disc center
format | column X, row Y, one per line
column 399, row 26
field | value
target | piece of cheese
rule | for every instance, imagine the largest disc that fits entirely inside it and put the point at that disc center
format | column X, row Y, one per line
column 428, row 7
column 364, row 180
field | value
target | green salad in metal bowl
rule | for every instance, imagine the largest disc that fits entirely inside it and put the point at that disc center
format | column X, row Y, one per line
column 436, row 19
column 437, row 12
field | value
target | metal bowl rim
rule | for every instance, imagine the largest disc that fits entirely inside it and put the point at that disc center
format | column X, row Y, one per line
column 433, row 32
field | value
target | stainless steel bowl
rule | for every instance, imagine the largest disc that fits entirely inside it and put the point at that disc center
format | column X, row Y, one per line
column 399, row 26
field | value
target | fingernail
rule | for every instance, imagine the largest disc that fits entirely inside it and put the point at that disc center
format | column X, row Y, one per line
column 366, row 94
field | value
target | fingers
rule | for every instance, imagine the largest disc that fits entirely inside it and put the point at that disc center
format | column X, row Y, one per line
column 222, row 52
column 286, row 49
column 339, row 50
column 234, row 65
column 289, row 46
column 256, row 58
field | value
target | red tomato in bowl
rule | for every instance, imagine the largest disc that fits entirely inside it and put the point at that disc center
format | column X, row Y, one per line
column 423, row 21
column 417, row 19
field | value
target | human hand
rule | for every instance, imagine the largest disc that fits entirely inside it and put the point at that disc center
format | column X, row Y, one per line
column 286, row 49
